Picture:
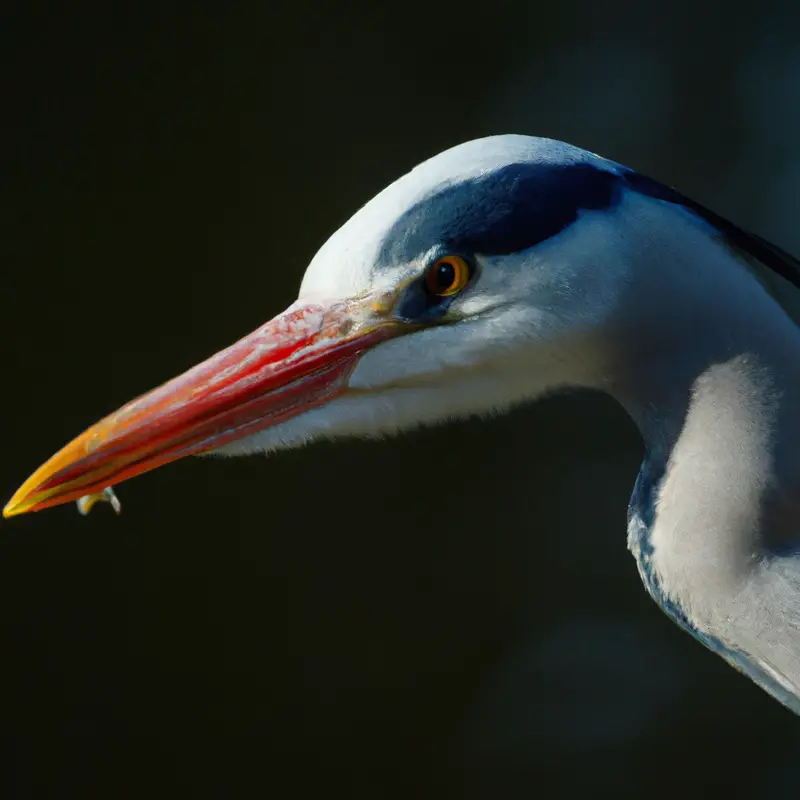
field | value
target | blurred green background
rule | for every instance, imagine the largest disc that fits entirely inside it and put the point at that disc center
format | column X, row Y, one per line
column 338, row 620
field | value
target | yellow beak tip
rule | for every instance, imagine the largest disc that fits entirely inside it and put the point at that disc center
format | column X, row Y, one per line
column 15, row 506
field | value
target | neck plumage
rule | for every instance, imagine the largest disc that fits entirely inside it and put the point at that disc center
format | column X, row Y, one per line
column 709, row 369
column 707, row 363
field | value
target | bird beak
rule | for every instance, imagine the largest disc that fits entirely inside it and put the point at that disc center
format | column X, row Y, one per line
column 299, row 360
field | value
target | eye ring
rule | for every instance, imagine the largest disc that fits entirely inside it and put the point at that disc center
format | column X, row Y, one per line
column 448, row 275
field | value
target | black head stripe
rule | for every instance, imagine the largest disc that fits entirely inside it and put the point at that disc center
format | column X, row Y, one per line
column 504, row 211
column 517, row 206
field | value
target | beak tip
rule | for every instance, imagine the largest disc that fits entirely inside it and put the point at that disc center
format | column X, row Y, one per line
column 18, row 504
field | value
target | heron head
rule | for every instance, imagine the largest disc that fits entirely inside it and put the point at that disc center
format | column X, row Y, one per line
column 473, row 282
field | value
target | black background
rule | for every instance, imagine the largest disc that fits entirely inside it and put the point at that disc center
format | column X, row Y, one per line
column 449, row 614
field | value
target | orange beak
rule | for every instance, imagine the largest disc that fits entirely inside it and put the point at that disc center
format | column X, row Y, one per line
column 299, row 360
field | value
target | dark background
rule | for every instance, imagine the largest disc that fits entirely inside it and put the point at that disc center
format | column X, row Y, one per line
column 448, row 614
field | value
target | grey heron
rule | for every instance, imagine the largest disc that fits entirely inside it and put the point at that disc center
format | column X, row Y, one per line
column 500, row 270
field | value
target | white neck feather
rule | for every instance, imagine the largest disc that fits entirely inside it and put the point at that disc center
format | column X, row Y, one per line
column 710, row 371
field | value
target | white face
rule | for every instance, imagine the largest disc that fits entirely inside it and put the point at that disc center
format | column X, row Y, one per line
column 522, row 325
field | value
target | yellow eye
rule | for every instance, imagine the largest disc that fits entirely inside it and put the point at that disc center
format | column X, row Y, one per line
column 447, row 276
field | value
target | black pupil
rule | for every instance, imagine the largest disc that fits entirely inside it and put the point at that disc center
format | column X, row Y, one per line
column 445, row 276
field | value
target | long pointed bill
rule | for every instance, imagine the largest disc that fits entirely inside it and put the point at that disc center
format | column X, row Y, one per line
column 295, row 362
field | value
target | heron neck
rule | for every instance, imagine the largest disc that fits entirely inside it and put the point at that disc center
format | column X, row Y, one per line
column 709, row 369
